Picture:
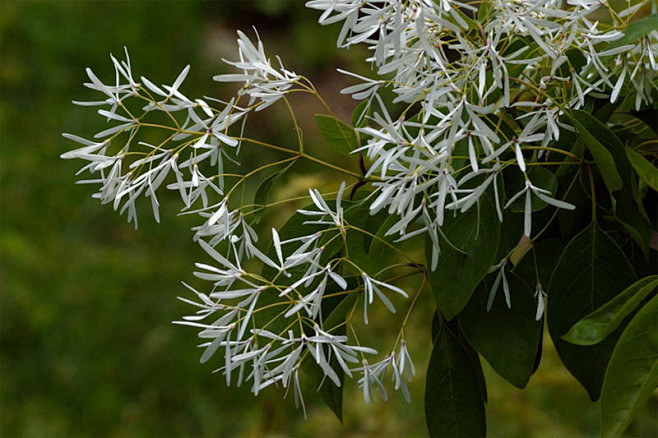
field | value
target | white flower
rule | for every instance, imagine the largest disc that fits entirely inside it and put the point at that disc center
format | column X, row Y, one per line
column 529, row 189
column 540, row 295
column 500, row 267
column 262, row 81
column 335, row 216
column 403, row 367
column 373, row 375
column 370, row 290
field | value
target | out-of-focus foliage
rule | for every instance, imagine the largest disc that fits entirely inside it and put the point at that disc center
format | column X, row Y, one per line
column 86, row 343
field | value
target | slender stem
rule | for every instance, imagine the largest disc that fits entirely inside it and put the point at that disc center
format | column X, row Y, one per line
column 267, row 145
column 406, row 317
column 298, row 131
column 329, row 165
column 374, row 236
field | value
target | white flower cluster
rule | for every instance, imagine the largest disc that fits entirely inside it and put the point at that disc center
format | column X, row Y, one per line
column 484, row 94
column 262, row 82
column 266, row 325
column 269, row 349
column 200, row 133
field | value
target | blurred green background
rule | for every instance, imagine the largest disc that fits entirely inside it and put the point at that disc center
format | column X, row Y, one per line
column 86, row 340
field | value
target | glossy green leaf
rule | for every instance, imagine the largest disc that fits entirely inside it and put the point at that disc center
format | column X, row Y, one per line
column 602, row 156
column 632, row 374
column 475, row 358
column 605, row 111
column 476, row 234
column 343, row 309
column 647, row 171
column 626, row 209
column 576, row 61
column 597, row 325
column 591, row 271
column 571, row 222
column 338, row 135
column 264, row 189
column 381, row 246
column 514, row 70
column 360, row 114
column 454, row 403
column 376, row 224
column 635, row 31
column 329, row 392
column 540, row 349
column 632, row 219
column 475, row 361
column 507, row 337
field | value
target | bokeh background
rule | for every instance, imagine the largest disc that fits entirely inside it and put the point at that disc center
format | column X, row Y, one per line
column 86, row 341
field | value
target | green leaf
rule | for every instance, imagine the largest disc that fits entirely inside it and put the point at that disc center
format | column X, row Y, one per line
column 632, row 374
column 331, row 394
column 540, row 345
column 378, row 248
column 476, row 234
column 338, row 135
column 484, row 11
column 514, row 71
column 475, row 358
column 576, row 61
column 591, row 271
column 647, row 171
column 632, row 219
column 454, row 403
column 602, row 156
column 360, row 114
column 635, row 31
column 624, row 204
column 597, row 325
column 264, row 190
column 340, row 312
column 507, row 337
column 571, row 222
